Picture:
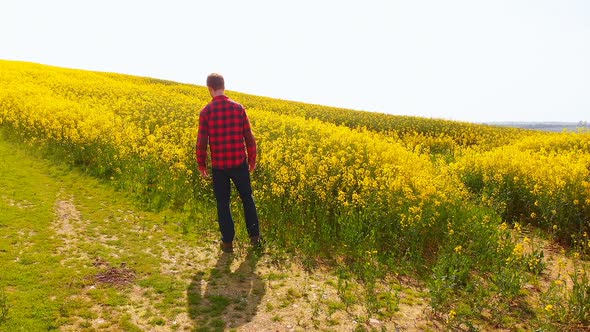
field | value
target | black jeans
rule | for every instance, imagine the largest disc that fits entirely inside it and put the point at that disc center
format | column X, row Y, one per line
column 222, row 188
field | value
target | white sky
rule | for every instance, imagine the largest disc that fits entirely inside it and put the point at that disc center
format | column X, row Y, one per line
column 468, row 60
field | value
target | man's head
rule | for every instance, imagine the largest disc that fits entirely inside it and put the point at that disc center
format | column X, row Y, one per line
column 215, row 83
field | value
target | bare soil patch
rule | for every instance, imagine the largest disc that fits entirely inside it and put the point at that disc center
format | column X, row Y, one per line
column 67, row 222
column 116, row 275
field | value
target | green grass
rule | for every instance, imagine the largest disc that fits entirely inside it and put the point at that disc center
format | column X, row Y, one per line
column 32, row 280
column 45, row 282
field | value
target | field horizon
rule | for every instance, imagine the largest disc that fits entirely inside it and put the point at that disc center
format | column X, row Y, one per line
column 532, row 124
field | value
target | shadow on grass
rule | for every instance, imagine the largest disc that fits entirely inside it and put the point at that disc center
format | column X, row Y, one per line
column 225, row 299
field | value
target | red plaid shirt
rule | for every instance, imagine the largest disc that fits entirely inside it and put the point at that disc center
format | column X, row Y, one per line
column 224, row 125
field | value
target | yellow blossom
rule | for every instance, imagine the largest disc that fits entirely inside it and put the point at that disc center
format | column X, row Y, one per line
column 451, row 316
column 518, row 250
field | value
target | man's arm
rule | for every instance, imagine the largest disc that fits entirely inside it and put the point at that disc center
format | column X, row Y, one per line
column 202, row 142
column 250, row 143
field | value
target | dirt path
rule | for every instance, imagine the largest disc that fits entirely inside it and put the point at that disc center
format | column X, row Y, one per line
column 244, row 291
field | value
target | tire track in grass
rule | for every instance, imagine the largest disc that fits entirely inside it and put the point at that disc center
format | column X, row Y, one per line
column 68, row 225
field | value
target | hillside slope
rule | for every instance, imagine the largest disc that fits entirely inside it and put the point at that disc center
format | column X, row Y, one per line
column 374, row 198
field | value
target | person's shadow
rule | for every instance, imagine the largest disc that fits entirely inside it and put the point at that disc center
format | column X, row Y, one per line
column 225, row 299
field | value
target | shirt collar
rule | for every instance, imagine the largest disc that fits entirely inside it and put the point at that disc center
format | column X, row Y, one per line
column 220, row 97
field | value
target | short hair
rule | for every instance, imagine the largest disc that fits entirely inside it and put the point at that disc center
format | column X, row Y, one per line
column 215, row 81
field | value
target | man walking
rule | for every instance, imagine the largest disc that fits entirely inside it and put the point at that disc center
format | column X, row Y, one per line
column 225, row 127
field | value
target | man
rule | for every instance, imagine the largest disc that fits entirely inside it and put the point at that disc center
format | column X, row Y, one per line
column 225, row 127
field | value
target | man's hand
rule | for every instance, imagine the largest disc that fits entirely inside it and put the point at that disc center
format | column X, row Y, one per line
column 204, row 172
column 251, row 166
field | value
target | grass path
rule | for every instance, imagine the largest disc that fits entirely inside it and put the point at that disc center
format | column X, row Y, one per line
column 78, row 256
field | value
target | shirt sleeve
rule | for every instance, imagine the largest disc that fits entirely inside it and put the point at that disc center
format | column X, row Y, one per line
column 250, row 140
column 202, row 140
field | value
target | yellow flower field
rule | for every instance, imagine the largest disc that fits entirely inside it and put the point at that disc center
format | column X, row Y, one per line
column 318, row 165
column 418, row 194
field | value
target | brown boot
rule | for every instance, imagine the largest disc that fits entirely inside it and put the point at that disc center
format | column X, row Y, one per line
column 227, row 247
column 256, row 242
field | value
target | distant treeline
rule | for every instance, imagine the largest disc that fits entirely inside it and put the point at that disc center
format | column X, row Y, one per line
column 547, row 126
